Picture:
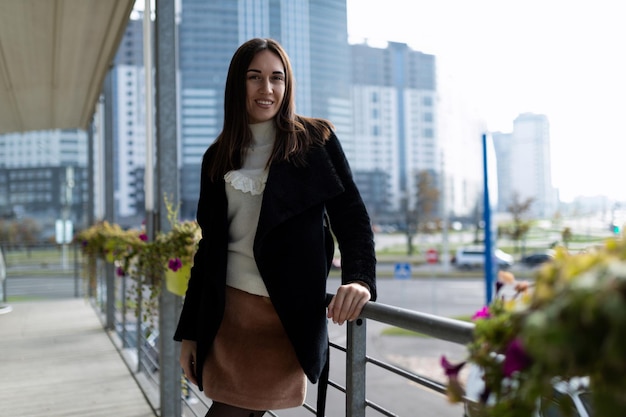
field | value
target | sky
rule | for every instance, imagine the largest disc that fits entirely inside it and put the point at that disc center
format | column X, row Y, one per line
column 565, row 59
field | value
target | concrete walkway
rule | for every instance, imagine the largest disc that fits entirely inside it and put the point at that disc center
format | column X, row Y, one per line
column 56, row 361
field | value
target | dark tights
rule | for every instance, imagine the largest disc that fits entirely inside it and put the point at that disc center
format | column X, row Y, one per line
column 225, row 410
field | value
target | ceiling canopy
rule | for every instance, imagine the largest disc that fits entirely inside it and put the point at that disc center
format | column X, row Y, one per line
column 54, row 56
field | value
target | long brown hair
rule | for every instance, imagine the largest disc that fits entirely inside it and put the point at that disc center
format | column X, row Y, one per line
column 294, row 133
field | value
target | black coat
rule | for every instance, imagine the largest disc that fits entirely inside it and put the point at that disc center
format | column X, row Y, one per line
column 293, row 249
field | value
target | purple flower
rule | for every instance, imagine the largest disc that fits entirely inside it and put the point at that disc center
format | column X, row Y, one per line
column 515, row 358
column 499, row 286
column 452, row 371
column 143, row 237
column 120, row 271
column 454, row 389
column 175, row 264
column 483, row 313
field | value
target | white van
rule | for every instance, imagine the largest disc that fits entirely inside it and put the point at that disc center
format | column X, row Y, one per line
column 469, row 257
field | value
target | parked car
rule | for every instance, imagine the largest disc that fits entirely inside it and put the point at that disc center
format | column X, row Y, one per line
column 474, row 257
column 537, row 258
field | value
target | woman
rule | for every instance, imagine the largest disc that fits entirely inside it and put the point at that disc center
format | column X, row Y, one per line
column 253, row 324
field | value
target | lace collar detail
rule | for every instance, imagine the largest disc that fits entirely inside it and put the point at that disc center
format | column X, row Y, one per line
column 247, row 181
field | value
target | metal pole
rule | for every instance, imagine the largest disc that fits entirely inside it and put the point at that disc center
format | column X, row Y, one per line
column 167, row 185
column 109, row 195
column 489, row 251
column 445, row 248
column 91, row 190
column 148, row 179
column 76, row 270
column 90, row 175
column 355, row 368
column 147, row 65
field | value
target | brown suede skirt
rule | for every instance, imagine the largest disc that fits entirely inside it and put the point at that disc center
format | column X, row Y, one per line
column 252, row 363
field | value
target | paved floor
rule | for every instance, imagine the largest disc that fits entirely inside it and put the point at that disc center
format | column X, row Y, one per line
column 56, row 361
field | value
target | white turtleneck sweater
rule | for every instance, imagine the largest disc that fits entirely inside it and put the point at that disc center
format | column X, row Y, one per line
column 244, row 191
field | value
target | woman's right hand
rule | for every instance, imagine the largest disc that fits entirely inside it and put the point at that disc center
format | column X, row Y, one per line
column 188, row 360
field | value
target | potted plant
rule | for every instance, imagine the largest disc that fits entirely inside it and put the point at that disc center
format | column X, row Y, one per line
column 145, row 261
column 567, row 325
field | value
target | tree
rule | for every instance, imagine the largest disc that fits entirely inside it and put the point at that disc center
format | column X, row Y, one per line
column 427, row 200
column 520, row 226
column 566, row 236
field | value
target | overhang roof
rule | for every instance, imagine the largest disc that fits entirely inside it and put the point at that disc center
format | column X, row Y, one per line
column 54, row 56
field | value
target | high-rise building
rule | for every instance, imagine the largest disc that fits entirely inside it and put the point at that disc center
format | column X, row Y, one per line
column 42, row 173
column 314, row 33
column 524, row 165
column 502, row 143
column 129, row 107
column 383, row 102
column 394, row 98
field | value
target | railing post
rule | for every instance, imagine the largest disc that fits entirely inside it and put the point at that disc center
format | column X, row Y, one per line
column 110, row 296
column 355, row 368
column 109, row 193
column 166, row 64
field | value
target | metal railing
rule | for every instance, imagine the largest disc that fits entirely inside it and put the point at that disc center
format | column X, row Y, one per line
column 138, row 341
column 450, row 330
column 142, row 338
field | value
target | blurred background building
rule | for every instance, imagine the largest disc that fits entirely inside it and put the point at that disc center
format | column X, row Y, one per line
column 524, row 168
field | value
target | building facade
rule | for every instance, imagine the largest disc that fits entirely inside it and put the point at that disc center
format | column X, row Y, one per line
column 314, row 33
column 524, row 165
column 129, row 106
column 394, row 98
column 43, row 174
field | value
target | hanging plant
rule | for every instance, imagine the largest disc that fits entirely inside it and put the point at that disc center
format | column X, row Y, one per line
column 146, row 262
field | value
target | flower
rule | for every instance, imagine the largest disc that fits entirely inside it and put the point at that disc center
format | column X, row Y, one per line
column 175, row 264
column 515, row 358
column 569, row 323
column 454, row 389
column 506, row 277
column 450, row 369
column 143, row 237
column 483, row 313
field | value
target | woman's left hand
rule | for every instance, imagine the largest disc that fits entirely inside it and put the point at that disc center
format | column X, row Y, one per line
column 348, row 302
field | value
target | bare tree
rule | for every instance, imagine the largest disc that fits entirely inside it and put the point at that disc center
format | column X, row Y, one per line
column 425, row 208
column 566, row 236
column 427, row 198
column 520, row 226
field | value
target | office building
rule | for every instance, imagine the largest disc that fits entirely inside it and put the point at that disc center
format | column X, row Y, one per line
column 129, row 135
column 502, row 143
column 314, row 33
column 524, row 165
column 41, row 174
column 394, row 98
